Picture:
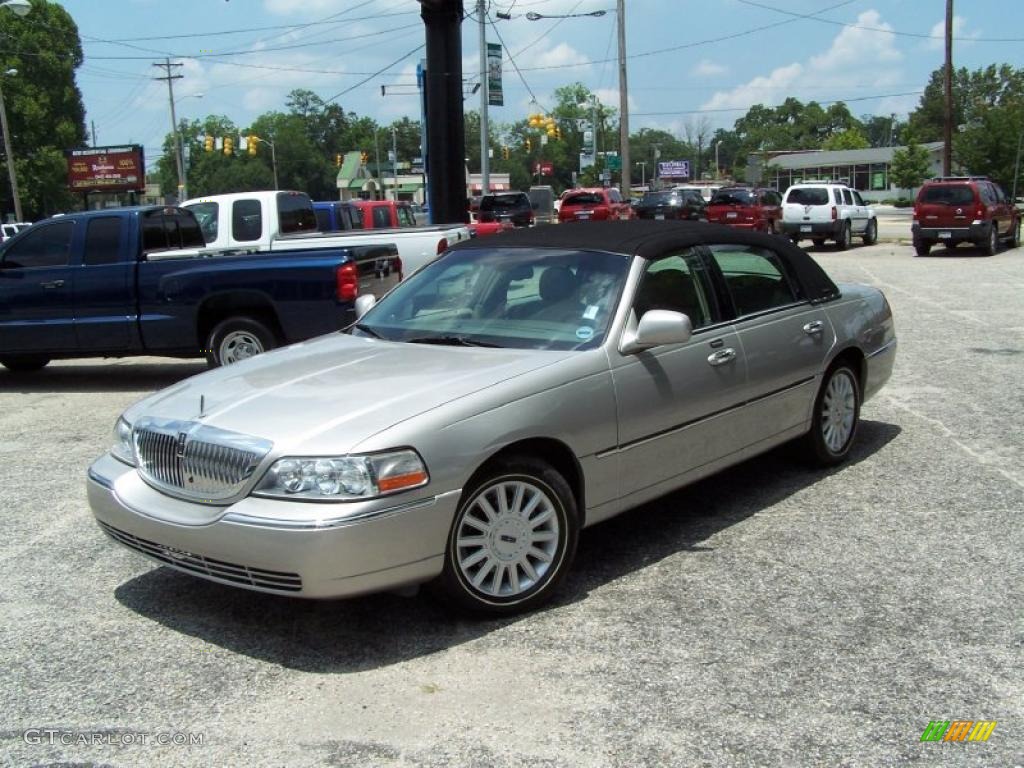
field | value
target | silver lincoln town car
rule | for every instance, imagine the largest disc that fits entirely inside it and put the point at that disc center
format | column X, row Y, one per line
column 503, row 397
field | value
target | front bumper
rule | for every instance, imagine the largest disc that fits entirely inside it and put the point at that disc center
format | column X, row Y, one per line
column 818, row 229
column 973, row 233
column 303, row 549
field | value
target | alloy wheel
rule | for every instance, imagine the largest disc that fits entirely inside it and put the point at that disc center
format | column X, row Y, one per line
column 838, row 411
column 239, row 345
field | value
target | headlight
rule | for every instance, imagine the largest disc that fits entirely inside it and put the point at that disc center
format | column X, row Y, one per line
column 123, row 448
column 343, row 478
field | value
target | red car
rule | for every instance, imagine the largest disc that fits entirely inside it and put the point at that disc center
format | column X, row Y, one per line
column 747, row 208
column 964, row 209
column 594, row 204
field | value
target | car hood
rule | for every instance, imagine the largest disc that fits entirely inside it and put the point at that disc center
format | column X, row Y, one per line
column 337, row 386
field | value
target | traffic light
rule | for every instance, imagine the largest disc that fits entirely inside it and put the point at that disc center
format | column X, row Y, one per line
column 364, row 158
column 208, row 143
column 337, row 160
column 506, row 153
column 229, row 145
column 558, row 133
column 251, row 142
column 529, row 145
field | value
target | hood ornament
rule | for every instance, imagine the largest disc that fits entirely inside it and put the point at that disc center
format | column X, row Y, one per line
column 202, row 404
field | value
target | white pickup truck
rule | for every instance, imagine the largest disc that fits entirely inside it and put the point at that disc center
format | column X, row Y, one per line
column 244, row 222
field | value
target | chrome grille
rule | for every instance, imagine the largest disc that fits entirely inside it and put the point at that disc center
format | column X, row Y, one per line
column 200, row 565
column 199, row 462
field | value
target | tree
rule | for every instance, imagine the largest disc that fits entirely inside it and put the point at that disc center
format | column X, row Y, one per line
column 910, row 165
column 851, row 138
column 44, row 106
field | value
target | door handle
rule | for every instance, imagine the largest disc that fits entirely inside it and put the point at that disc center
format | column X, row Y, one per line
column 52, row 284
column 722, row 356
column 813, row 327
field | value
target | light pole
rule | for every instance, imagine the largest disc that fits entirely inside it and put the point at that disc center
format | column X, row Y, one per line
column 180, row 159
column 20, row 8
column 273, row 157
column 394, row 162
column 718, row 172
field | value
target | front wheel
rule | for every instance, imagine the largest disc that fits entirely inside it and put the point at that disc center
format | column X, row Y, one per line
column 845, row 238
column 836, row 415
column 237, row 339
column 871, row 233
column 512, row 540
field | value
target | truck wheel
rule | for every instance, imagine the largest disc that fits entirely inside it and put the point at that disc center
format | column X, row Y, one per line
column 24, row 364
column 922, row 247
column 871, row 233
column 991, row 246
column 238, row 338
column 818, row 241
column 845, row 238
column 1014, row 240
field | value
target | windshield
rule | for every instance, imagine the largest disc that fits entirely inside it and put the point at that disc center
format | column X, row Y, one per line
column 524, row 298
column 733, row 197
column 950, row 194
column 660, row 198
column 808, row 196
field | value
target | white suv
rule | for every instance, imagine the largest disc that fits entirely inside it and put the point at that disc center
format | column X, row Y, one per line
column 826, row 210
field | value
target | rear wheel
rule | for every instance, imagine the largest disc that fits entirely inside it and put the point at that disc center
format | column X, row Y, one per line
column 991, row 247
column 24, row 364
column 871, row 233
column 512, row 541
column 922, row 247
column 1014, row 240
column 237, row 339
column 836, row 415
column 845, row 237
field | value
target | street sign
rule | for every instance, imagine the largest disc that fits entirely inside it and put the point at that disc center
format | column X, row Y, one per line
column 614, row 162
column 674, row 169
column 586, row 160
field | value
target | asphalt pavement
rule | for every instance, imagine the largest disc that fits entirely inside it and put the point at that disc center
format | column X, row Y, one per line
column 772, row 615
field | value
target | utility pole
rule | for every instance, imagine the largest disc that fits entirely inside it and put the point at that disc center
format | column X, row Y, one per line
column 947, row 133
column 93, row 124
column 166, row 66
column 376, row 147
column 394, row 162
column 624, row 104
column 485, row 160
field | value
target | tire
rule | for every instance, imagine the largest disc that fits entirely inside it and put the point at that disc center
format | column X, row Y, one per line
column 24, row 364
column 1014, row 240
column 836, row 417
column 490, row 571
column 795, row 239
column 818, row 241
column 922, row 247
column 237, row 339
column 871, row 233
column 845, row 238
column 991, row 245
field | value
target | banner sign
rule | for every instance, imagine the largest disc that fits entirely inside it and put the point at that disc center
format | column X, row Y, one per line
column 675, row 169
column 106, row 169
column 494, row 93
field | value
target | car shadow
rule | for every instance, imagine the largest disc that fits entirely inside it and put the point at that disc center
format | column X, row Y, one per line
column 343, row 636
column 955, row 252
column 101, row 377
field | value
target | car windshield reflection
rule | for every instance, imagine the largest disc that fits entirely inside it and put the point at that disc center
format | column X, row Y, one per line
column 521, row 298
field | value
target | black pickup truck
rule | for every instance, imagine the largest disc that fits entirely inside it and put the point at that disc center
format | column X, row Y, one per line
column 137, row 281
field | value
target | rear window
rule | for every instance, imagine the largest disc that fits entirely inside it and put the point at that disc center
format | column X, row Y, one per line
column 247, row 220
column 295, row 213
column 658, row 198
column 584, row 198
column 808, row 196
column 734, row 197
column 323, row 219
column 405, row 218
column 381, row 217
column 503, row 202
column 947, row 194
column 206, row 214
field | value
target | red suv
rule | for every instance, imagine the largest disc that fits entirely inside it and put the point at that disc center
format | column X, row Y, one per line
column 958, row 209
column 594, row 204
column 747, row 208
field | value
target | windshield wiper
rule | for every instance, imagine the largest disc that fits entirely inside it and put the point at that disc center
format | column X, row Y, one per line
column 451, row 341
column 367, row 330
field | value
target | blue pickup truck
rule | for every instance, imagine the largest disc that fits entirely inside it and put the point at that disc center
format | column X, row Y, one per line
column 136, row 281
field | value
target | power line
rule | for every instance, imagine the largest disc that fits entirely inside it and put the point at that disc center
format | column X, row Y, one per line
column 380, row 71
column 744, row 109
column 512, row 59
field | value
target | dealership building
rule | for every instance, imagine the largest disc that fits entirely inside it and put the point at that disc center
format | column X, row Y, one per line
column 866, row 170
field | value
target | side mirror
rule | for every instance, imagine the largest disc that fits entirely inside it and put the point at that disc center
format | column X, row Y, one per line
column 364, row 303
column 657, row 327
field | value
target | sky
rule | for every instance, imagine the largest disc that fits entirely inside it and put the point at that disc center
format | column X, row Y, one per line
column 687, row 59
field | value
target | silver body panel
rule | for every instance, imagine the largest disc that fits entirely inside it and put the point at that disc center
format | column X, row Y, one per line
column 639, row 425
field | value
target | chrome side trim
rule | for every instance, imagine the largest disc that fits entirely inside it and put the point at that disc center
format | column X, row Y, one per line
column 339, row 521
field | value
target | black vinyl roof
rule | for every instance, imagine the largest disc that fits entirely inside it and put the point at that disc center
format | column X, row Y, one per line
column 650, row 239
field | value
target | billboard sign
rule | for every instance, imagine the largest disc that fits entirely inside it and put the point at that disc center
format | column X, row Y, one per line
column 544, row 168
column 106, row 169
column 674, row 169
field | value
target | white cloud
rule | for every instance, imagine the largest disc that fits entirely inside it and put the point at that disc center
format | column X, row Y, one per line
column 560, row 55
column 708, row 68
column 937, row 36
column 610, row 98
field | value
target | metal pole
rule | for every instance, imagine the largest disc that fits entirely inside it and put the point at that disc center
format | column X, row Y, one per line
column 947, row 133
column 485, row 161
column 1016, row 168
column 376, row 149
column 718, row 173
column 627, row 169
column 10, row 159
column 273, row 161
column 93, row 124
column 182, row 187
column 394, row 163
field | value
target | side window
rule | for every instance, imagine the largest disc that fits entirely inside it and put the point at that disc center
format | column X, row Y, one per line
column 755, row 278
column 614, row 196
column 857, row 198
column 1000, row 196
column 323, row 220
column 679, row 283
column 103, row 241
column 188, row 228
column 405, row 218
column 847, row 197
column 837, row 196
column 246, row 220
column 48, row 246
column 206, row 214
column 295, row 213
column 154, row 236
column 381, row 217
column 357, row 217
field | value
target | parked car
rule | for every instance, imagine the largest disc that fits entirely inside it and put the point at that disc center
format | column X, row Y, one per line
column 826, row 210
column 542, row 198
column 523, row 387
column 594, row 204
column 140, row 281
column 337, row 216
column 705, row 189
column 747, row 208
column 513, row 207
column 964, row 209
column 385, row 214
column 672, row 204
